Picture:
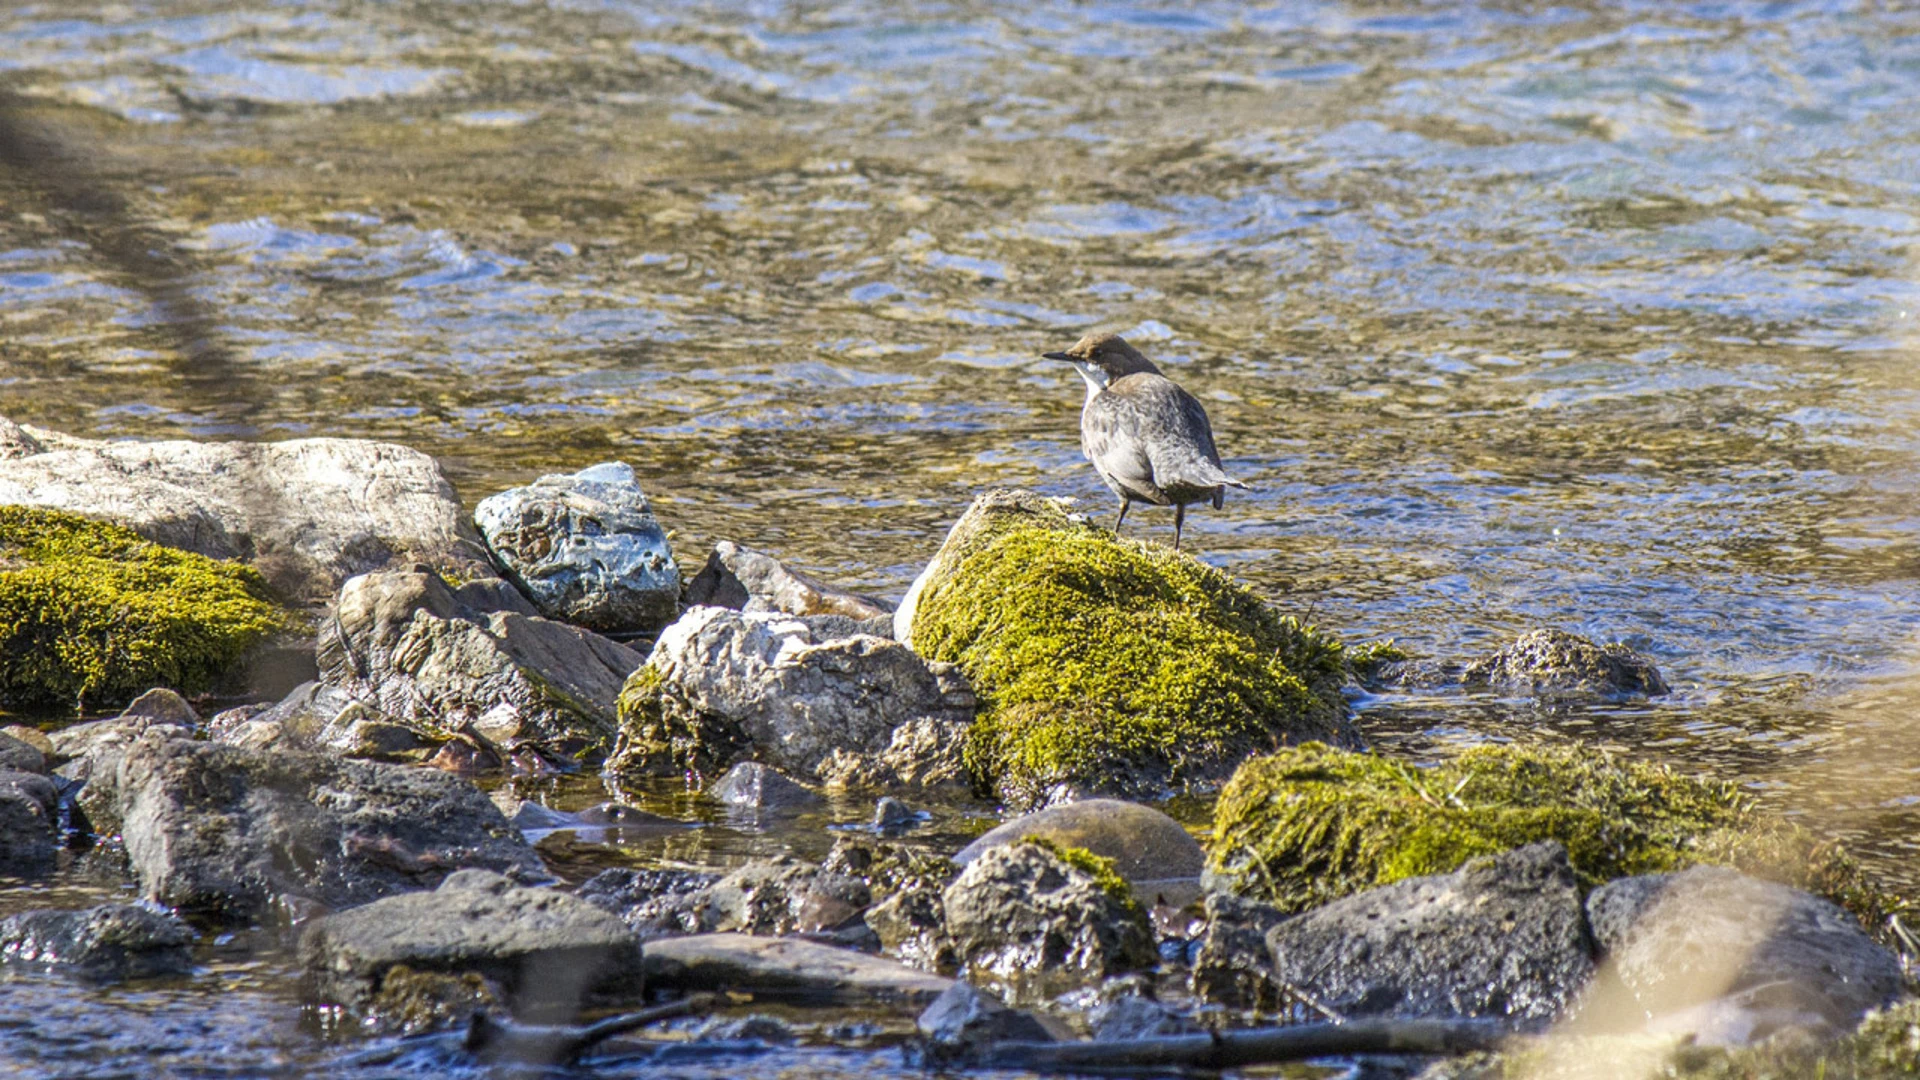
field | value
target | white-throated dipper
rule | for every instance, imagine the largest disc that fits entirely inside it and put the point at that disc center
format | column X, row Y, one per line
column 1147, row 438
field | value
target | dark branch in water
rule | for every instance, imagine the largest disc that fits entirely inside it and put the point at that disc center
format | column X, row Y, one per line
column 145, row 259
column 494, row 1040
column 1260, row 1046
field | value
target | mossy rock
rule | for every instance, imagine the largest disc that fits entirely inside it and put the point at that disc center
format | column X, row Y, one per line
column 1312, row 824
column 90, row 613
column 1113, row 665
column 1886, row 1045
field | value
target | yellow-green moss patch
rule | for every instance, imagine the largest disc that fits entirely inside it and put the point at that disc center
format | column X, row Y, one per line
column 1098, row 867
column 1311, row 824
column 91, row 613
column 1118, row 664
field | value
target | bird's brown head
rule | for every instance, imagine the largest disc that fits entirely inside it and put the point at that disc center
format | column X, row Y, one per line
column 1106, row 356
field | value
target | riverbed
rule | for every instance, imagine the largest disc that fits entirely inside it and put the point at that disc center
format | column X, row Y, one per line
column 1591, row 316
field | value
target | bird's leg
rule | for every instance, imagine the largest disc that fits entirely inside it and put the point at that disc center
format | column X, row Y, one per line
column 1179, row 519
column 1124, row 503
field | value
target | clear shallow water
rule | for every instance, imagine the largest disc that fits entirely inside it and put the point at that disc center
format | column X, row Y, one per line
column 1595, row 316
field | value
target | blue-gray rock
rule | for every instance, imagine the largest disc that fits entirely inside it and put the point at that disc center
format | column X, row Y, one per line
column 27, row 840
column 750, row 785
column 109, row 942
column 586, row 548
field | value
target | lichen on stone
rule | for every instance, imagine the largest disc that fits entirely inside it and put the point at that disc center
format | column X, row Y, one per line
column 1311, row 824
column 92, row 613
column 1115, row 665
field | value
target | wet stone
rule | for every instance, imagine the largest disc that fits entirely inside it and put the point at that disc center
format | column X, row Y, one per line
column 1027, row 922
column 1132, row 1016
column 786, row 896
column 965, row 1020
column 586, row 548
column 890, row 815
column 753, row 786
column 17, row 755
column 226, row 832
column 1500, row 937
column 552, row 955
column 653, row 903
column 1233, row 966
column 28, row 807
column 106, row 943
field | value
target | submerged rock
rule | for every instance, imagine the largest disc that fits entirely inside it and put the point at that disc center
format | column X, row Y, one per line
column 1730, row 959
column 315, row 716
column 753, row 786
column 1501, row 937
column 747, row 580
column 29, row 842
column 797, row 694
column 105, row 943
column 1312, row 824
column 1556, row 662
column 225, row 832
column 1132, row 1016
column 965, row 1020
column 92, row 612
column 784, row 967
column 550, row 955
column 1151, row 850
column 1112, row 666
column 307, row 513
column 1036, row 921
column 408, row 645
column 586, row 548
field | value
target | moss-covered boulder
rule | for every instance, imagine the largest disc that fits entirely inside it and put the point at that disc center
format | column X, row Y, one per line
column 1109, row 665
column 1311, row 824
column 92, row 613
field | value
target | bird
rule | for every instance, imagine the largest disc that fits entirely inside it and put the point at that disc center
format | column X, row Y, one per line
column 1148, row 439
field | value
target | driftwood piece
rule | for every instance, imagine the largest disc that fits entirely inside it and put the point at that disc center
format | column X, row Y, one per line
column 1259, row 1046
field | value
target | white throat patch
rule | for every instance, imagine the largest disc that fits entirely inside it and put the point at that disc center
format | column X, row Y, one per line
column 1096, row 379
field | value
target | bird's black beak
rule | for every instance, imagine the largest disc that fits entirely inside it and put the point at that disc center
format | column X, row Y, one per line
column 1055, row 356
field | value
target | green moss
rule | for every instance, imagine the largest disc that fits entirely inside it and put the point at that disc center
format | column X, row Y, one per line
column 1885, row 1045
column 1312, row 824
column 1114, row 661
column 1098, row 867
column 91, row 613
column 655, row 740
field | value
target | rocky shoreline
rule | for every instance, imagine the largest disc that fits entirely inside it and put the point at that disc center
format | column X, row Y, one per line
column 1073, row 678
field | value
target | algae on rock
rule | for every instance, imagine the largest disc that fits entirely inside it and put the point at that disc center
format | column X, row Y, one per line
column 1311, row 824
column 90, row 612
column 1113, row 665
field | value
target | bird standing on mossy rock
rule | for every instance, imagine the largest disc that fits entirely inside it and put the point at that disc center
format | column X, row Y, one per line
column 1148, row 439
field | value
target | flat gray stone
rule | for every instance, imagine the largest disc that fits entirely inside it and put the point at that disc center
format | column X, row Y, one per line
column 550, row 954
column 788, row 967
column 747, row 580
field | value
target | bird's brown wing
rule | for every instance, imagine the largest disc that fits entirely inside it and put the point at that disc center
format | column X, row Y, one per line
column 1111, row 433
column 1177, row 436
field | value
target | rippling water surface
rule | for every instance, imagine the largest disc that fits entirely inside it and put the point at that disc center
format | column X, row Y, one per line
column 1592, row 315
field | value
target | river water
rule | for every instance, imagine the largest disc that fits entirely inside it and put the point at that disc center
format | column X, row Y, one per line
column 1596, row 316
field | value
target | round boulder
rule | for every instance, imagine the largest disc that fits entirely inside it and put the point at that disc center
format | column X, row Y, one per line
column 1156, row 856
